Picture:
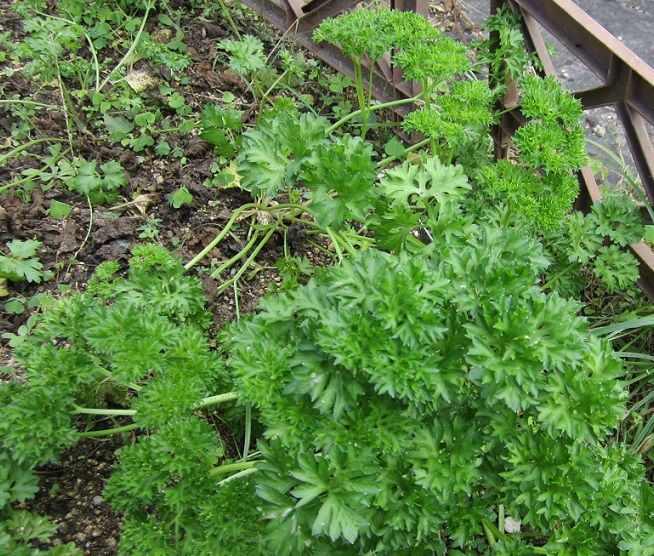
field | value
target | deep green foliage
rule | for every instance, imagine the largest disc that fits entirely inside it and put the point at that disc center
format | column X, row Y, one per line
column 540, row 184
column 21, row 263
column 406, row 397
column 458, row 123
column 508, row 58
column 140, row 342
column 543, row 99
column 340, row 175
column 594, row 245
column 271, row 156
column 219, row 127
column 410, row 398
column 439, row 59
column 19, row 527
column 360, row 32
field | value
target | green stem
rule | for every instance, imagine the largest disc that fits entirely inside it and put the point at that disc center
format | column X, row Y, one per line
column 240, row 210
column 102, row 411
column 374, row 107
column 264, row 97
column 30, row 102
column 335, row 243
column 248, row 430
column 386, row 161
column 358, row 85
column 213, row 400
column 229, row 262
column 248, row 261
column 299, row 98
column 132, row 48
column 108, row 432
column 29, row 144
column 229, row 18
column 230, row 223
column 229, row 467
column 367, row 100
column 170, row 129
column 559, row 275
column 243, row 473
column 427, row 88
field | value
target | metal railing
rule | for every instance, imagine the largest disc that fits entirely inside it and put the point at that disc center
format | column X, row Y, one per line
column 627, row 82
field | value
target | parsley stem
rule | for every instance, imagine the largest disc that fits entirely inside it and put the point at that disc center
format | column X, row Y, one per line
column 103, row 411
column 229, row 467
column 272, row 87
column 218, row 398
column 29, row 144
column 243, row 473
column 374, row 107
column 386, row 161
column 559, row 274
column 240, row 210
column 369, row 98
column 335, row 243
column 248, row 430
column 108, row 432
column 229, row 262
column 230, row 223
column 132, row 48
column 358, row 81
column 249, row 260
column 230, row 19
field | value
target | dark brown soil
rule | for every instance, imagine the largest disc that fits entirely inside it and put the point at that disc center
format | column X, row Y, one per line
column 71, row 494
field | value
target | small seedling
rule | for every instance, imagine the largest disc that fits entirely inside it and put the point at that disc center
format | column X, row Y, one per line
column 180, row 197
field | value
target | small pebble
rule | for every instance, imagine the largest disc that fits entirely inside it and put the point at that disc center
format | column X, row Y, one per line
column 97, row 500
column 599, row 130
column 511, row 525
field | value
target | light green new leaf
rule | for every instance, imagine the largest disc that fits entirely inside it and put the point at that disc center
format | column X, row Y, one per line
column 419, row 185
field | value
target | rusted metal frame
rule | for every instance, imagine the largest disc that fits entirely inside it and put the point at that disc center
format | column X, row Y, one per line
column 501, row 133
column 639, row 144
column 536, row 43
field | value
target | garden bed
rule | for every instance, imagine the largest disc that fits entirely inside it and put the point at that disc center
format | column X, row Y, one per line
column 131, row 173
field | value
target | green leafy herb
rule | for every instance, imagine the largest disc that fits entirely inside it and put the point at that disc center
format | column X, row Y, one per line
column 180, row 197
column 246, row 55
column 21, row 262
column 406, row 397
